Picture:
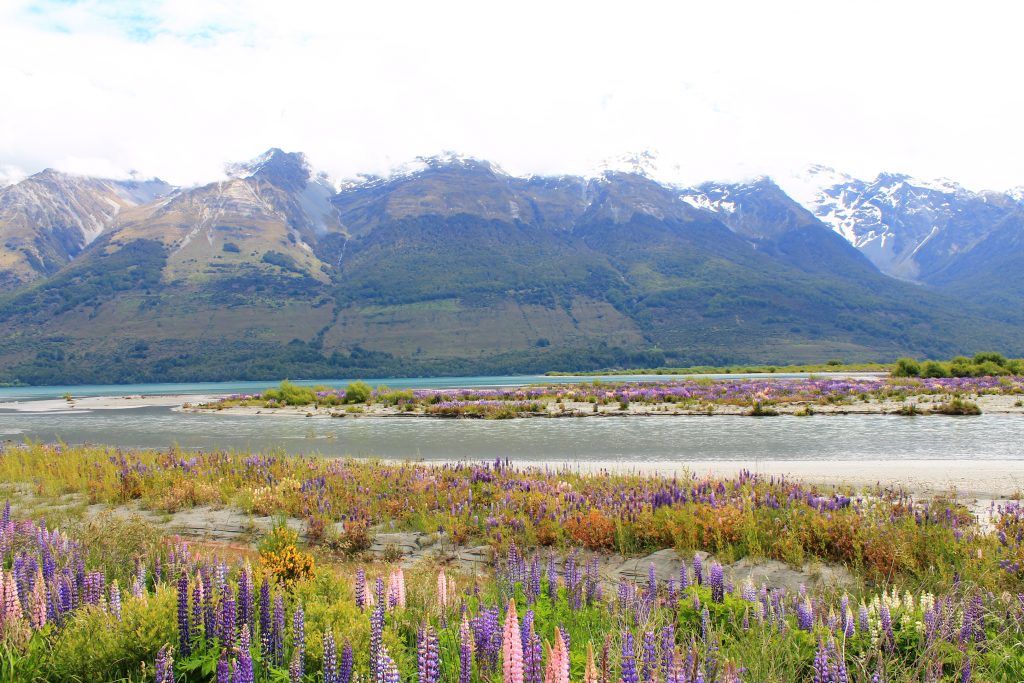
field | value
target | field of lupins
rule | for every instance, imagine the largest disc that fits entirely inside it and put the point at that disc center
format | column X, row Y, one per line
column 688, row 393
column 939, row 598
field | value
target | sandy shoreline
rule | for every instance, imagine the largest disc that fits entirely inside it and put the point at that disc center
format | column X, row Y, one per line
column 60, row 405
column 979, row 479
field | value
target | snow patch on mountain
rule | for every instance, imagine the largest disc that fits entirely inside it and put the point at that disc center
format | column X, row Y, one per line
column 715, row 201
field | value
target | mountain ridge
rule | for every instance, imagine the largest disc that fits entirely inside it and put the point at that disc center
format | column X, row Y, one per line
column 454, row 265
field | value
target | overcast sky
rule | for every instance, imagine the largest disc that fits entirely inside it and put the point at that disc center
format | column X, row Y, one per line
column 723, row 89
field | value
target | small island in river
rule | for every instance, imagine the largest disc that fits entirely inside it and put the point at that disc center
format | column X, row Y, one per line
column 663, row 397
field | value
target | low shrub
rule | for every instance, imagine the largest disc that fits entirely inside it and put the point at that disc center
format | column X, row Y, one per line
column 358, row 392
column 593, row 531
column 957, row 406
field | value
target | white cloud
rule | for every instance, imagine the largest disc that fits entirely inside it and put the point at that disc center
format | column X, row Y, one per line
column 723, row 89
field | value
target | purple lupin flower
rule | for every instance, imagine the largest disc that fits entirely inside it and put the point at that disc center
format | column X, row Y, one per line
column 295, row 668
column 243, row 666
column 65, row 600
column 184, row 632
column 277, row 632
column 684, row 579
column 533, row 665
column 163, row 667
column 115, row 600
column 223, row 670
column 820, row 672
column 804, row 615
column 698, row 570
column 299, row 640
column 226, row 622
column 525, row 626
column 837, row 667
column 209, row 608
column 421, row 654
column 649, row 657
column 197, row 612
column 345, row 667
column 593, row 582
column 330, row 665
column 628, row 662
column 360, row 589
column 465, row 652
column 139, row 583
column 265, row 619
column 431, row 660
column 573, row 582
column 886, row 619
column 977, row 608
column 376, row 639
column 533, row 590
column 388, row 670
column 717, row 583
column 552, row 578
column 246, row 599
column 668, row 645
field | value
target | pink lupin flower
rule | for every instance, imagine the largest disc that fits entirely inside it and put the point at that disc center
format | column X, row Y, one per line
column 12, row 605
column 442, row 589
column 396, row 587
column 512, row 644
column 590, row 672
column 558, row 662
column 37, row 602
column 400, row 581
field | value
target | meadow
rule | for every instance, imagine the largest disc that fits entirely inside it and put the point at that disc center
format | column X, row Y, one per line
column 108, row 597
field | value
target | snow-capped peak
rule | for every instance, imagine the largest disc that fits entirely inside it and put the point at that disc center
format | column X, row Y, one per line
column 267, row 161
column 645, row 163
column 808, row 186
column 419, row 165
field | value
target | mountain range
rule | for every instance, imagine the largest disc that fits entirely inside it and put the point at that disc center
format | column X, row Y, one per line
column 450, row 265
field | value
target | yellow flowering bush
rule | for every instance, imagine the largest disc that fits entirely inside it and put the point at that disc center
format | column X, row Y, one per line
column 288, row 565
column 281, row 558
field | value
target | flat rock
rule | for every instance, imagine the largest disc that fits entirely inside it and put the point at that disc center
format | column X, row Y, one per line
column 406, row 542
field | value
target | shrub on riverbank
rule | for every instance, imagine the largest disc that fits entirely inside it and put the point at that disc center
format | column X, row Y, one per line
column 957, row 406
column 987, row 364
